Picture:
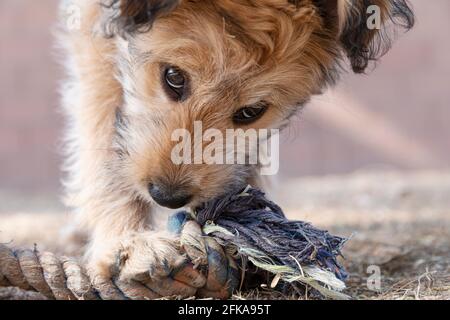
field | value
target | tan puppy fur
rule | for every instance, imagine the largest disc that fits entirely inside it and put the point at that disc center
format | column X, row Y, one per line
column 234, row 53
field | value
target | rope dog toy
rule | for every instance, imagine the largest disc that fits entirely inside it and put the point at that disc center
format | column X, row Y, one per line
column 253, row 228
column 238, row 228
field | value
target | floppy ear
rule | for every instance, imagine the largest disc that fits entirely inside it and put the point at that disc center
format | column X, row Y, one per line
column 128, row 16
column 364, row 27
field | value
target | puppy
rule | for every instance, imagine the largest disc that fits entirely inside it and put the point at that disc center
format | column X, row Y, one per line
column 140, row 69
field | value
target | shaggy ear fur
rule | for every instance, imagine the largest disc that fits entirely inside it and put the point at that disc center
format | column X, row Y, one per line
column 130, row 16
column 348, row 19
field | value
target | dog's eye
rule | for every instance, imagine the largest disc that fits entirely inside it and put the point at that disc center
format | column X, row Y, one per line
column 175, row 78
column 175, row 81
column 249, row 114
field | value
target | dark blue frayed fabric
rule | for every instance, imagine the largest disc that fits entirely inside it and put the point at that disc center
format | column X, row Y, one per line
column 260, row 224
column 261, row 233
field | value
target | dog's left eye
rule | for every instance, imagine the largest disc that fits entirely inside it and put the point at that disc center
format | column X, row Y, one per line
column 250, row 114
column 175, row 82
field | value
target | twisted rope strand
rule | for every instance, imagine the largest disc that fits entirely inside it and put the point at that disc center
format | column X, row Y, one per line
column 52, row 277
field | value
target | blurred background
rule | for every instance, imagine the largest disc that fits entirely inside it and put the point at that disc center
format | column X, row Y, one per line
column 370, row 158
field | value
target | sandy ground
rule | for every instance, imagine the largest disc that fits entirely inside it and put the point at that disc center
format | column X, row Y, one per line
column 399, row 226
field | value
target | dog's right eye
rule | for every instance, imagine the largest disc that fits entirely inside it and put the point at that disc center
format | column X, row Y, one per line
column 175, row 83
column 250, row 114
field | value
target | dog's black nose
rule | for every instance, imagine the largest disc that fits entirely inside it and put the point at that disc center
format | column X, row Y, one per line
column 165, row 196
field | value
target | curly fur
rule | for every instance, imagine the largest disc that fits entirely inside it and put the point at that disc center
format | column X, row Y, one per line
column 359, row 44
column 135, row 15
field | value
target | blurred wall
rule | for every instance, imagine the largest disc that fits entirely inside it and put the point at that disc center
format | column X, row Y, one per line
column 395, row 118
column 29, row 120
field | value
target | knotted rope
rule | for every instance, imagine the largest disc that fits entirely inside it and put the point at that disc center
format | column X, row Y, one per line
column 224, row 233
column 64, row 278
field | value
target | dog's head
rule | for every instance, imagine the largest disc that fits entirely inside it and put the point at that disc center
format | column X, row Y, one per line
column 229, row 64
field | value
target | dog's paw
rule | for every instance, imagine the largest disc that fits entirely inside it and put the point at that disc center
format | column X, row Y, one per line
column 155, row 260
column 148, row 255
column 152, row 265
column 143, row 266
